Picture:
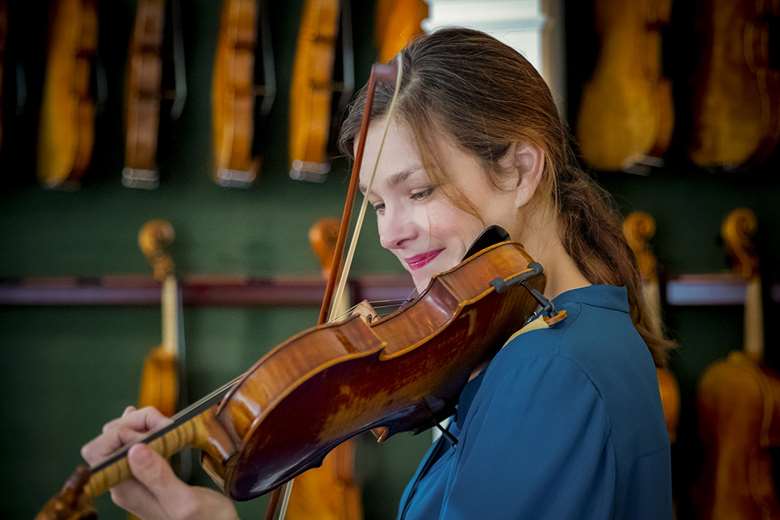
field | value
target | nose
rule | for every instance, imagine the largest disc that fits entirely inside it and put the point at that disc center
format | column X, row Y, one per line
column 396, row 229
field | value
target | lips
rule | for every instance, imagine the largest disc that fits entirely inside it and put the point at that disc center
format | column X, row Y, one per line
column 418, row 261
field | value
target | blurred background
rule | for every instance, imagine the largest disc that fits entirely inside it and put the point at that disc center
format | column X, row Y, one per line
column 215, row 120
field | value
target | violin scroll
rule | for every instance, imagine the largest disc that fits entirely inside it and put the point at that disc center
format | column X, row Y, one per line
column 153, row 239
column 737, row 231
column 71, row 503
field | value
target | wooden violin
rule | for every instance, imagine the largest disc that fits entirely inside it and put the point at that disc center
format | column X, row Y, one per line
column 397, row 23
column 739, row 404
column 330, row 491
column 400, row 372
column 144, row 88
column 243, row 71
column 322, row 83
column 3, row 37
column 67, row 127
column 639, row 228
column 626, row 111
column 737, row 84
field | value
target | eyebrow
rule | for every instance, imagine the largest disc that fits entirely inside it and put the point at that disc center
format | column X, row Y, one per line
column 396, row 178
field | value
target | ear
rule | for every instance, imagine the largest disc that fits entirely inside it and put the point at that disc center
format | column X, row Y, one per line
column 528, row 161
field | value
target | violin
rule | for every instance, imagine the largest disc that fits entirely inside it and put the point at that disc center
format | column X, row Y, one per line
column 739, row 404
column 626, row 111
column 737, row 85
column 162, row 377
column 67, row 127
column 161, row 384
column 324, row 385
column 144, row 89
column 3, row 38
column 639, row 228
column 329, row 491
column 322, row 84
column 240, row 77
column 397, row 24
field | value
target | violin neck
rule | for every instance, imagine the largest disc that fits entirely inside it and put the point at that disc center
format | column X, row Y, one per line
column 754, row 319
column 194, row 431
column 170, row 315
column 652, row 293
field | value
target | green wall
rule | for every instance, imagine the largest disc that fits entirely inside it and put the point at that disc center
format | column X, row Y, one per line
column 67, row 370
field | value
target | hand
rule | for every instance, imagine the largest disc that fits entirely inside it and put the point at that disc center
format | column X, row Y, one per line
column 155, row 493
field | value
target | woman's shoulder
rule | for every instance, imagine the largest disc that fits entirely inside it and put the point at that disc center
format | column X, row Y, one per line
column 598, row 342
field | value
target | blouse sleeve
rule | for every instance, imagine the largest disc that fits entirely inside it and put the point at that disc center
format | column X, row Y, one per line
column 535, row 444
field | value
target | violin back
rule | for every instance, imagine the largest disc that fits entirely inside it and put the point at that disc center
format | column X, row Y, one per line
column 737, row 102
column 739, row 415
column 626, row 111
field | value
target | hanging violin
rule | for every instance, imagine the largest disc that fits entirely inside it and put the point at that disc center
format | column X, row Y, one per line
column 3, row 37
column 739, row 404
column 638, row 228
column 144, row 88
column 322, row 83
column 397, row 24
column 400, row 372
column 330, row 491
column 737, row 85
column 67, row 128
column 243, row 71
column 626, row 111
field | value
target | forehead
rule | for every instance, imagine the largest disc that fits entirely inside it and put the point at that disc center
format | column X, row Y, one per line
column 399, row 152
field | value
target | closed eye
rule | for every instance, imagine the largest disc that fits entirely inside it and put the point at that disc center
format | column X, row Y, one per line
column 422, row 194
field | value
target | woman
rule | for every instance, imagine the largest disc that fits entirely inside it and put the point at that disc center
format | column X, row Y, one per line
column 564, row 422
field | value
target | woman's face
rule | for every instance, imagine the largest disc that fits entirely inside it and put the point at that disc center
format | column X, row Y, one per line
column 417, row 222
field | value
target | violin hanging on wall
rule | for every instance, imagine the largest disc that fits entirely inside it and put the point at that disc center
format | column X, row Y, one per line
column 3, row 64
column 330, row 491
column 626, row 113
column 322, row 84
column 739, row 404
column 398, row 22
column 243, row 90
column 145, row 88
column 67, row 124
column 737, row 87
column 639, row 228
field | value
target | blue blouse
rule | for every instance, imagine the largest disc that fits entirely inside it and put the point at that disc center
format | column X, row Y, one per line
column 564, row 422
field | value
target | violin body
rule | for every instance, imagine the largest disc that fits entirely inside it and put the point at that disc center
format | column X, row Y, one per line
column 233, row 96
column 737, row 102
column 3, row 37
column 397, row 23
column 739, row 414
column 67, row 124
column 143, row 95
column 626, row 111
column 387, row 373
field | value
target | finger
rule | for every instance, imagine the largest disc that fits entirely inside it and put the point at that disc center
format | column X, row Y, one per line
column 119, row 420
column 104, row 445
column 133, row 497
column 154, row 472
column 144, row 420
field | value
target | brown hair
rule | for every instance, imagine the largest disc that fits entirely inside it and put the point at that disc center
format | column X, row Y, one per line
column 486, row 96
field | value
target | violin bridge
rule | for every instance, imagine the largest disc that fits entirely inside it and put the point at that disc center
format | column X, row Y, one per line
column 366, row 311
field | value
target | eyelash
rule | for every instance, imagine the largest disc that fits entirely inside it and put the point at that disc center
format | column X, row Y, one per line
column 416, row 196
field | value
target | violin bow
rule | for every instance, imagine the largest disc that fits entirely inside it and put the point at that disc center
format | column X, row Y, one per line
column 391, row 72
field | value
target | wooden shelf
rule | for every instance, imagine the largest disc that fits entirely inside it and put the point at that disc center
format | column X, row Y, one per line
column 217, row 291
column 223, row 291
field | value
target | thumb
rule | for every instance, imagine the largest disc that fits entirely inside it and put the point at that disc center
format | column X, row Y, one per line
column 155, row 474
